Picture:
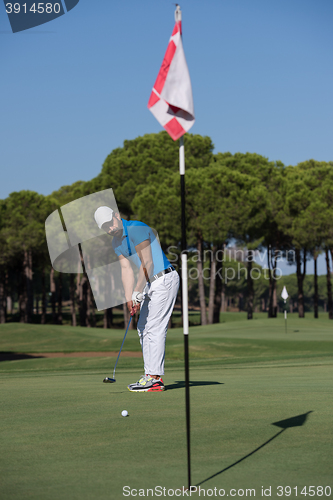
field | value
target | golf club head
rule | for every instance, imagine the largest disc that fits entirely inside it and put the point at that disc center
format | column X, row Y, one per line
column 109, row 380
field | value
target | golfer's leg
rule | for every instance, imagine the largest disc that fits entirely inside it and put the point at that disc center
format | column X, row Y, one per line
column 142, row 322
column 154, row 319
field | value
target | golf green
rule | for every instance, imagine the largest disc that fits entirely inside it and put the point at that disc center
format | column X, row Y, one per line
column 261, row 416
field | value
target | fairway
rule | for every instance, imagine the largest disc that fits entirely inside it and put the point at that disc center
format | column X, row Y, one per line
column 63, row 436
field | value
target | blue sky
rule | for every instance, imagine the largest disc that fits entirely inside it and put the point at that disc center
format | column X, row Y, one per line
column 77, row 87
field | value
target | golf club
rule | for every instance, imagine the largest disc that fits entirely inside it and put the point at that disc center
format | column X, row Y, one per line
column 112, row 380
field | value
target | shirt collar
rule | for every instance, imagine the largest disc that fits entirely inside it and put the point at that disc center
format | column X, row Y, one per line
column 125, row 232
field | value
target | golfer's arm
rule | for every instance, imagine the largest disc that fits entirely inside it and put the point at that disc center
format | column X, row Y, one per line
column 147, row 266
column 127, row 277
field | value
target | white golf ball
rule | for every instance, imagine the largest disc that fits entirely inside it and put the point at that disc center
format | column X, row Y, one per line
column 124, row 413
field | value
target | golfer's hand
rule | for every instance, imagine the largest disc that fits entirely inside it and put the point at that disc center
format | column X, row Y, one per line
column 137, row 298
column 133, row 308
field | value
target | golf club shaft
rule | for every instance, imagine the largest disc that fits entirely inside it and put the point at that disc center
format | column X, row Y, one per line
column 114, row 371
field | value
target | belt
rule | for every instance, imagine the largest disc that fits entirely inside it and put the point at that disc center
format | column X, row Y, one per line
column 162, row 273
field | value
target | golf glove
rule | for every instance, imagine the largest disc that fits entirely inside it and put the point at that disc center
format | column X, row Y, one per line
column 137, row 298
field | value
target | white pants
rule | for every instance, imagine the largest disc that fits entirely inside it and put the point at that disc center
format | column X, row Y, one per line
column 156, row 309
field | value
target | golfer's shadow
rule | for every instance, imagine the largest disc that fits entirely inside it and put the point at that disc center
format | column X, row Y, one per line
column 297, row 421
column 181, row 384
column 14, row 356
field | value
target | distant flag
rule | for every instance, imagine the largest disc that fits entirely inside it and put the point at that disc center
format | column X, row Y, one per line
column 284, row 294
column 171, row 100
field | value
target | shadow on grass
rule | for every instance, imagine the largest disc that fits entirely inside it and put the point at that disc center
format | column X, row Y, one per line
column 14, row 356
column 297, row 421
column 181, row 384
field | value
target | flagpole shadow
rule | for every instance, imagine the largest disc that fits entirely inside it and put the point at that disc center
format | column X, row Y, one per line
column 297, row 421
column 181, row 384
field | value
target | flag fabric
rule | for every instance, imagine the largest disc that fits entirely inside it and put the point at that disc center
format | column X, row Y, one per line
column 284, row 294
column 171, row 100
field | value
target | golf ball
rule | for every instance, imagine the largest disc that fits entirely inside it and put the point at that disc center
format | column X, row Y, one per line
column 124, row 413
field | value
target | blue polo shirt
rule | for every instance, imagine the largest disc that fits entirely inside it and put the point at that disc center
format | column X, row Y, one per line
column 135, row 232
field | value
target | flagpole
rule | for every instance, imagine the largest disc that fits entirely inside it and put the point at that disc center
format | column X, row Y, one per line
column 182, row 188
column 171, row 103
column 185, row 305
column 178, row 17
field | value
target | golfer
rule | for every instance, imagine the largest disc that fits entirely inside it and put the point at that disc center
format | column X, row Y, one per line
column 154, row 291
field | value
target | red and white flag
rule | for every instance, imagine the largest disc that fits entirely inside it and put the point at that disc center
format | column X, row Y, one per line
column 171, row 100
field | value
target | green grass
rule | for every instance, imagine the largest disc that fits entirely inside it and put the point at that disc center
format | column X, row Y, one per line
column 232, row 341
column 63, row 437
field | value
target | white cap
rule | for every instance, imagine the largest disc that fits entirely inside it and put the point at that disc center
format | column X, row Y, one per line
column 102, row 215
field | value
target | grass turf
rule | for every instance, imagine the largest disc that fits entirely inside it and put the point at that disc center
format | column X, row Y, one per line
column 63, row 436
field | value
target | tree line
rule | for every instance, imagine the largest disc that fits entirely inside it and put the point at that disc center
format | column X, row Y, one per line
column 243, row 199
